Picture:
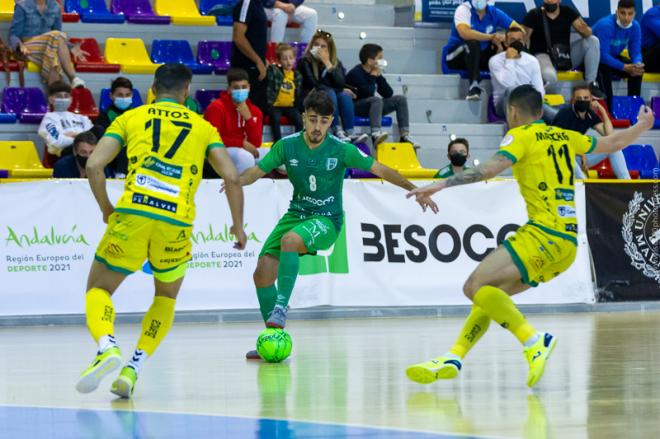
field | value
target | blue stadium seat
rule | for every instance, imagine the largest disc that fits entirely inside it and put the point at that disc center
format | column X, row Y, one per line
column 8, row 118
column 386, row 121
column 649, row 167
column 626, row 107
column 221, row 9
column 106, row 101
column 205, row 97
column 92, row 11
column 177, row 51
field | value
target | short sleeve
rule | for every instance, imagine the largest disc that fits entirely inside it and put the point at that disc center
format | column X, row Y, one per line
column 354, row 158
column 463, row 15
column 582, row 144
column 274, row 158
column 502, row 19
column 513, row 146
column 117, row 129
column 594, row 119
column 242, row 11
column 213, row 138
column 531, row 19
column 571, row 13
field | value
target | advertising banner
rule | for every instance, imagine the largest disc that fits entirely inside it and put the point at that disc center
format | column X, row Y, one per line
column 388, row 254
column 623, row 225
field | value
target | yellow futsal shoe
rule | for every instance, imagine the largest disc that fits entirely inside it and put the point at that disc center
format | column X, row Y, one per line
column 537, row 355
column 104, row 364
column 442, row 368
column 125, row 382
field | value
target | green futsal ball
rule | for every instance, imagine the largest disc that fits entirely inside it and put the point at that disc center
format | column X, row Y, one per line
column 274, row 345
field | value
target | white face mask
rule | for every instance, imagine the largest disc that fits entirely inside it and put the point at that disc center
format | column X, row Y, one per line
column 479, row 5
column 618, row 22
column 381, row 63
column 315, row 50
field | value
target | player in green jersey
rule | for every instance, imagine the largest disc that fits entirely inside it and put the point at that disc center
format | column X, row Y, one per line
column 316, row 163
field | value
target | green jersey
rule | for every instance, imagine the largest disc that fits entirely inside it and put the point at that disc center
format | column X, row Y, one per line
column 317, row 174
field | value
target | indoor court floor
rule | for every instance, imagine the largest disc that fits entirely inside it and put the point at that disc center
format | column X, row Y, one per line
column 345, row 378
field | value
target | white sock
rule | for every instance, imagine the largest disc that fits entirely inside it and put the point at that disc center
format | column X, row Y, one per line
column 474, row 84
column 531, row 340
column 139, row 357
column 452, row 356
column 106, row 342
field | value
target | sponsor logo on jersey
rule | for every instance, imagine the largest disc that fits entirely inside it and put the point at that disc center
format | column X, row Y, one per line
column 154, row 202
column 293, row 162
column 572, row 227
column 564, row 194
column 566, row 211
column 155, row 185
column 318, row 201
column 153, row 164
column 331, row 164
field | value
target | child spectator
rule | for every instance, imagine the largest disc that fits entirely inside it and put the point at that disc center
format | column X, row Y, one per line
column 283, row 90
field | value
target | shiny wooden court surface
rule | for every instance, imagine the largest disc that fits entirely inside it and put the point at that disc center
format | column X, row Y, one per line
column 603, row 381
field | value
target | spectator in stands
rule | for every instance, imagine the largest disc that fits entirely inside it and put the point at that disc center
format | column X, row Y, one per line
column 560, row 19
column 651, row 39
column 584, row 113
column 366, row 79
column 515, row 67
column 238, row 121
column 73, row 166
column 36, row 33
column 474, row 40
column 616, row 33
column 321, row 70
column 121, row 93
column 250, row 40
column 284, row 89
column 59, row 126
column 282, row 12
column 458, row 152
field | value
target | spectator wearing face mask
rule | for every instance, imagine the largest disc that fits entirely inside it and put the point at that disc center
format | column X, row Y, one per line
column 585, row 113
column 458, row 152
column 60, row 126
column 238, row 121
column 121, row 93
column 73, row 166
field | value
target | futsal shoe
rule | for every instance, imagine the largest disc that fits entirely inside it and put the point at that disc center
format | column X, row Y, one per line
column 277, row 317
column 252, row 355
column 104, row 364
column 537, row 355
column 442, row 368
column 125, row 382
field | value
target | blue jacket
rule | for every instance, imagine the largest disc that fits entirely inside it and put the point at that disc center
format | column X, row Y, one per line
column 28, row 22
column 494, row 19
column 614, row 39
column 269, row 4
column 651, row 28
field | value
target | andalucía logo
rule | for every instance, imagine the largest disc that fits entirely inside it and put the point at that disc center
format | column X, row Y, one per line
column 51, row 237
column 224, row 235
column 641, row 234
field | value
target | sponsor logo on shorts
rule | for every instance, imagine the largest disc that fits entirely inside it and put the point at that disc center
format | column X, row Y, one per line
column 331, row 164
column 153, row 164
column 114, row 250
column 156, row 185
column 174, row 249
column 154, row 202
column 566, row 211
column 564, row 194
column 171, row 260
column 317, row 201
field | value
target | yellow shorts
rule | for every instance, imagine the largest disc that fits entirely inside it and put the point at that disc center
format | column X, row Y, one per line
column 130, row 239
column 539, row 255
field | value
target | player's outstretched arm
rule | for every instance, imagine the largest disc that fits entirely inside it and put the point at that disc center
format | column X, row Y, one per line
column 221, row 162
column 623, row 138
column 251, row 175
column 493, row 167
column 391, row 175
column 104, row 153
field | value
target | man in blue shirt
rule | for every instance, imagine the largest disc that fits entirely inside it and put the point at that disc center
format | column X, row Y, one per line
column 616, row 33
column 651, row 39
column 474, row 40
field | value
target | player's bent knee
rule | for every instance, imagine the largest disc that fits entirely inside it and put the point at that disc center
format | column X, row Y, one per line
column 291, row 242
column 470, row 287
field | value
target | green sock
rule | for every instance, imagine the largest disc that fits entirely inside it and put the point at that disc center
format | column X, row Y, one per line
column 266, row 298
column 286, row 277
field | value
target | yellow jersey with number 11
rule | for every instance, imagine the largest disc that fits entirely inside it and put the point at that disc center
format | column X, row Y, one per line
column 166, row 146
column 543, row 164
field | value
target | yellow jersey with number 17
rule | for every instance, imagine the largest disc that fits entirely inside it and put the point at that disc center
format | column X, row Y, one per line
column 543, row 164
column 166, row 146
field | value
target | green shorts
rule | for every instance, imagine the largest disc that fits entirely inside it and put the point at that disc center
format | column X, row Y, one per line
column 317, row 232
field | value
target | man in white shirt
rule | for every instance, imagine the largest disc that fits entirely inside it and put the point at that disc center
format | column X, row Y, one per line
column 515, row 67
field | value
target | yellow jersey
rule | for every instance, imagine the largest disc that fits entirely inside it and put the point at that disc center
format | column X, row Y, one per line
column 543, row 164
column 166, row 144
column 287, row 93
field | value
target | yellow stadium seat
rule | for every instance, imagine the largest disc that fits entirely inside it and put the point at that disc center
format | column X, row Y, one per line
column 130, row 53
column 554, row 100
column 401, row 156
column 20, row 158
column 651, row 77
column 183, row 12
column 570, row 75
column 7, row 10
column 593, row 174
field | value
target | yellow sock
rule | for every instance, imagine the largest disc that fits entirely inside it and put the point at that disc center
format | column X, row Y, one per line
column 499, row 307
column 156, row 324
column 475, row 326
column 100, row 313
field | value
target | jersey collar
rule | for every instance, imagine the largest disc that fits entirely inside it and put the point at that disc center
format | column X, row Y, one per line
column 169, row 100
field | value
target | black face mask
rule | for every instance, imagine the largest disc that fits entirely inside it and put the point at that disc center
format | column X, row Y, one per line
column 518, row 45
column 82, row 161
column 582, row 106
column 551, row 7
column 457, row 159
